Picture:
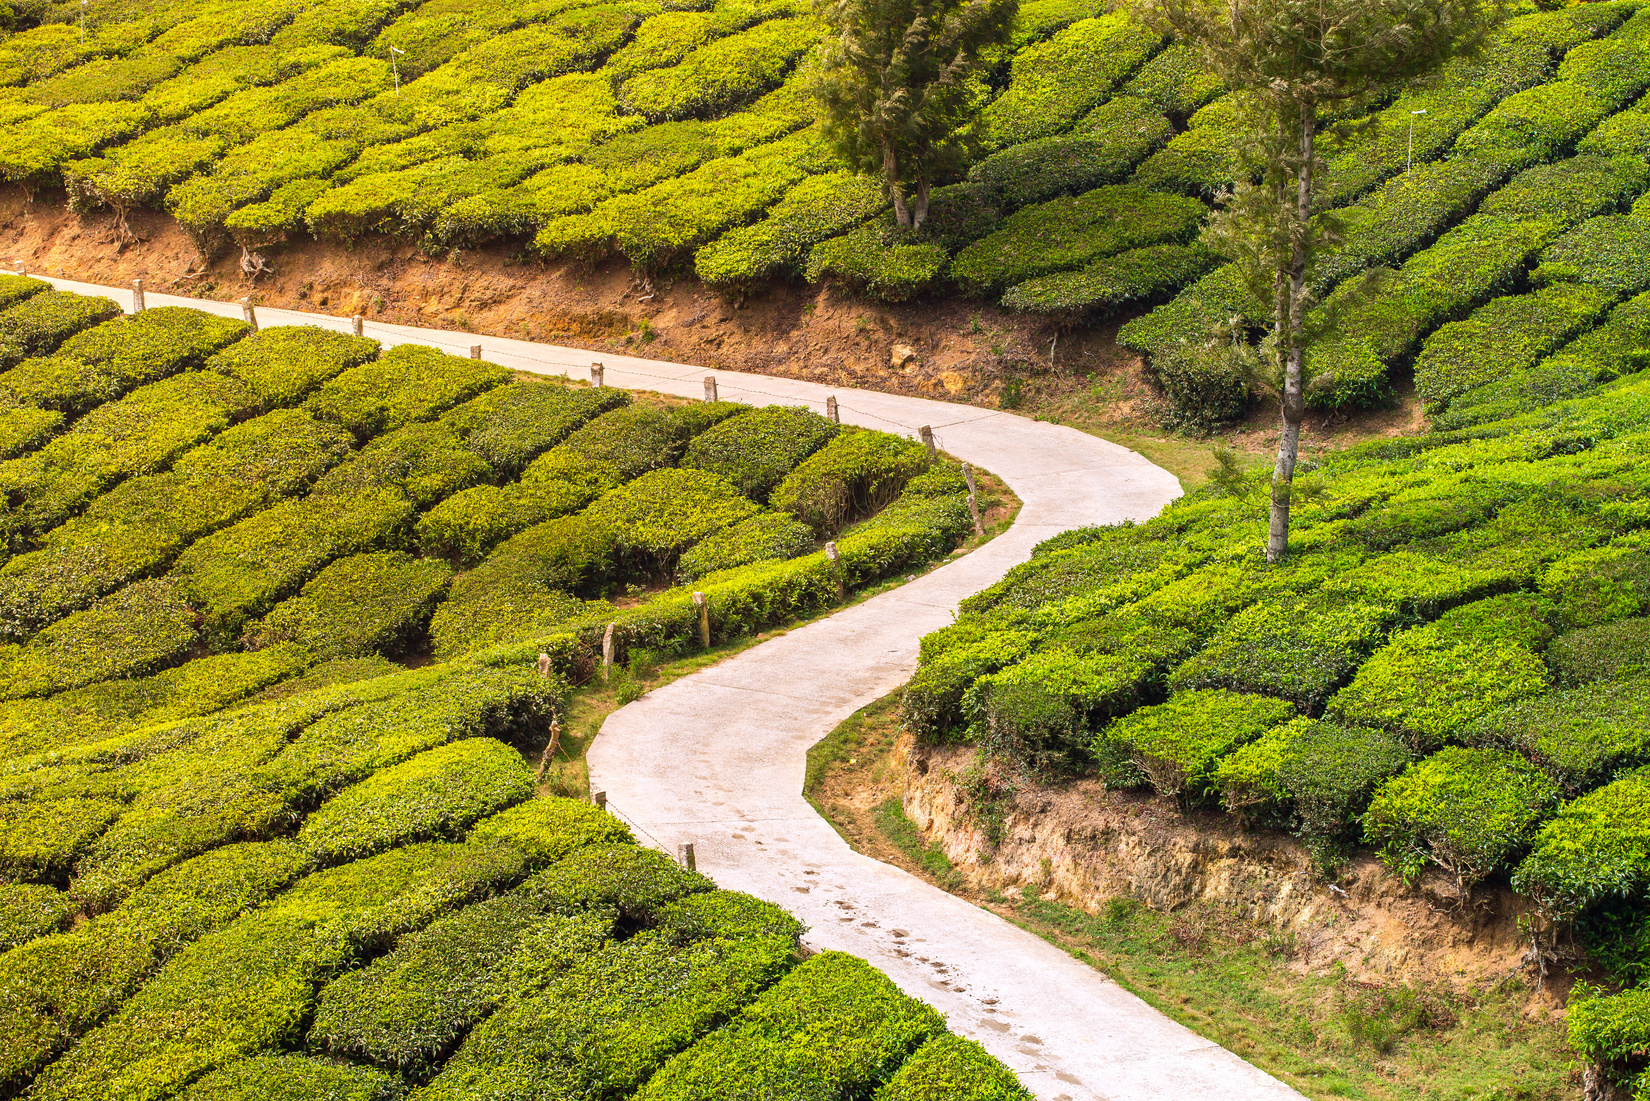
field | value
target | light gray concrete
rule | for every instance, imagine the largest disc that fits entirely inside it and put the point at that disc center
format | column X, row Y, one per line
column 717, row 758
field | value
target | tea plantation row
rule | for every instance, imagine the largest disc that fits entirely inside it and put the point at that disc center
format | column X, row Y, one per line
column 1451, row 668
column 243, row 855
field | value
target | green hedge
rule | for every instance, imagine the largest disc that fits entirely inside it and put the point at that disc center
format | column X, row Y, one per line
column 423, row 461
column 129, row 633
column 407, row 383
column 1202, row 159
column 1600, row 584
column 626, row 880
column 1470, row 811
column 378, row 602
column 284, row 363
column 1175, row 82
column 1299, row 649
column 1505, row 336
column 814, row 210
column 1068, row 233
column 143, row 522
column 1134, row 276
column 1321, row 774
column 933, row 701
column 294, row 1078
column 55, row 988
column 139, row 434
column 1175, row 746
column 511, row 425
column 238, row 574
column 717, row 76
column 1613, row 1031
column 1038, row 713
column 1581, row 737
column 1105, row 147
column 854, row 474
column 950, row 1068
column 1607, row 252
column 730, row 915
column 436, row 794
column 1053, row 83
column 40, row 840
column 1596, row 849
column 756, row 450
column 1608, row 651
column 763, row 537
column 866, row 262
column 36, row 326
column 612, row 1019
column 548, row 828
column 246, row 988
column 408, row 1009
column 29, row 911
column 832, row 1027
column 1428, row 685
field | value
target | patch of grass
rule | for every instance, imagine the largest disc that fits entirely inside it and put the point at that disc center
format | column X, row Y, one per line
column 890, row 818
column 1314, row 1028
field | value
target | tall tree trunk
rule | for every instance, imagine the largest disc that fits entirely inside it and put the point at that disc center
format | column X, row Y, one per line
column 920, row 215
column 896, row 190
column 1294, row 398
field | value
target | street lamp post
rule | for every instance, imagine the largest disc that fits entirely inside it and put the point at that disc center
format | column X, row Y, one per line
column 1409, row 161
column 394, row 70
column 83, row 4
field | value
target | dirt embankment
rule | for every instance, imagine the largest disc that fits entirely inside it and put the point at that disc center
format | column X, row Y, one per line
column 1083, row 845
column 947, row 348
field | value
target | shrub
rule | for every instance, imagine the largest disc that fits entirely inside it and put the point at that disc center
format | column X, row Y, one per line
column 547, row 829
column 1612, row 1030
column 1200, row 160
column 1299, row 649
column 832, row 1027
column 422, row 462
column 633, row 882
column 1174, row 82
column 465, row 526
column 247, row 987
column 613, row 1018
column 284, row 363
column 1426, row 687
column 294, row 1078
column 614, row 448
column 763, row 537
column 35, row 326
column 1054, row 82
column 407, row 383
column 949, row 1068
column 29, row 910
column 433, row 795
column 1595, row 849
column 1581, row 737
column 408, row 1009
column 40, row 840
column 1118, row 135
column 134, row 631
column 511, row 425
column 1323, row 772
column 1507, row 335
column 1543, row 122
column 1570, row 190
column 1137, row 275
column 755, row 451
column 730, row 915
column 1206, row 385
column 369, row 602
column 1175, row 745
column 55, row 988
column 1470, row 811
column 854, row 474
column 865, row 262
column 1607, row 252
column 814, row 210
column 716, row 76
column 1600, row 584
column 1038, row 712
column 1608, row 651
column 649, row 522
column 1066, row 233
column 1194, row 313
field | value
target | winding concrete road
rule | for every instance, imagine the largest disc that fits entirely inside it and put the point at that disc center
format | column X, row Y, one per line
column 717, row 758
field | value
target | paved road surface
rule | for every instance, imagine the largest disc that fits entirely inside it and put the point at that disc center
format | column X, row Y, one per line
column 717, row 758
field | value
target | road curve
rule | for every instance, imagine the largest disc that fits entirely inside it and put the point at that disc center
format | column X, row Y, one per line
column 717, row 758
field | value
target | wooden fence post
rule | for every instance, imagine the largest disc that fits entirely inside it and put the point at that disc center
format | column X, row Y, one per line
column 973, row 499
column 596, row 373
column 927, row 435
column 358, row 323
column 703, row 605
column 710, row 387
column 475, row 351
column 684, row 853
column 249, row 313
column 600, row 799
column 607, row 650
column 834, row 557
column 137, row 296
